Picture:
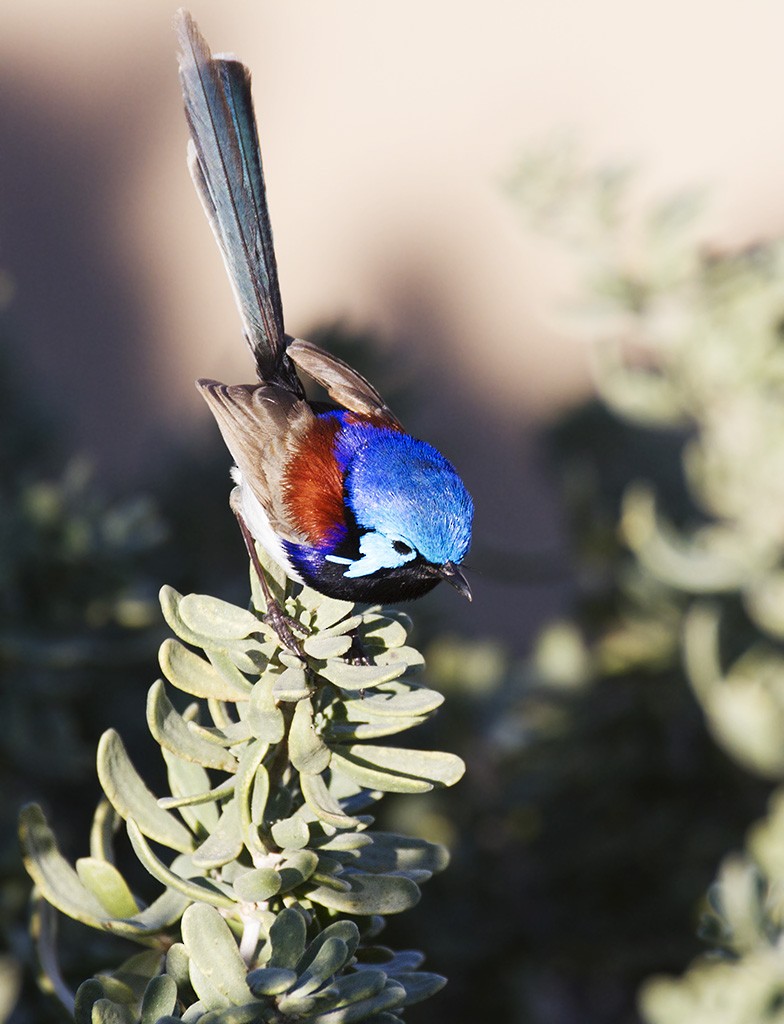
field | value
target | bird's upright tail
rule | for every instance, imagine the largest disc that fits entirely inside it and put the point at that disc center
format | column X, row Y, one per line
column 225, row 163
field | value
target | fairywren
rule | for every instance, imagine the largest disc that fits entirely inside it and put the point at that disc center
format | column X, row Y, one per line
column 338, row 494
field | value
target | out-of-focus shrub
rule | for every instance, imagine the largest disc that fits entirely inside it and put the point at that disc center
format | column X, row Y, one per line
column 77, row 607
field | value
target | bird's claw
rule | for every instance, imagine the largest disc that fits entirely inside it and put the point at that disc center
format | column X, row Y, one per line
column 285, row 626
column 356, row 654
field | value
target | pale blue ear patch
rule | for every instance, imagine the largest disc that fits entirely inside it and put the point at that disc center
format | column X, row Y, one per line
column 376, row 552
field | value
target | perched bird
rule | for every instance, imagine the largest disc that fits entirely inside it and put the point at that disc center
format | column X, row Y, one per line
column 338, row 494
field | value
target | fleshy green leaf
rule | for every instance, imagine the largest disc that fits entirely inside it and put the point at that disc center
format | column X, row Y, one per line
column 327, row 875
column 308, row 752
column 408, row 656
column 358, row 677
column 177, row 964
column 170, row 606
column 107, row 885
column 161, row 914
column 296, row 868
column 252, row 787
column 287, row 938
column 187, row 780
column 248, row 1014
column 297, row 1007
column 345, row 625
column 217, row 795
column 420, row 985
column 258, row 885
column 291, row 685
column 200, row 614
column 88, row 993
column 404, row 699
column 193, row 674
column 343, row 841
column 259, row 797
column 210, row 617
column 235, row 659
column 379, row 630
column 291, row 833
column 171, row 731
column 198, row 890
column 131, row 798
column 323, row 647
column 224, row 843
column 346, row 931
column 107, row 1012
column 323, row 804
column 250, row 656
column 106, row 822
column 396, row 769
column 330, row 958
column 160, row 998
column 369, row 894
column 210, row 996
column 342, row 732
column 214, row 951
column 402, row 962
column 385, row 852
column 133, row 976
column 54, row 876
column 262, row 714
column 61, row 886
column 391, row 995
column 271, row 981
column 226, row 732
column 351, row 988
column 328, row 611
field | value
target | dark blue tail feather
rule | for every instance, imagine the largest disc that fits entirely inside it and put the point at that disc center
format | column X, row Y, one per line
column 227, row 171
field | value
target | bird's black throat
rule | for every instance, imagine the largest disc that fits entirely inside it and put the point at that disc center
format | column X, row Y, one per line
column 385, row 586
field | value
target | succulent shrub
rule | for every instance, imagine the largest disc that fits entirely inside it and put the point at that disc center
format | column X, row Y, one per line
column 272, row 883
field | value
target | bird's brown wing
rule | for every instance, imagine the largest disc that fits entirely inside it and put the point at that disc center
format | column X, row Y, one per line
column 262, row 425
column 344, row 385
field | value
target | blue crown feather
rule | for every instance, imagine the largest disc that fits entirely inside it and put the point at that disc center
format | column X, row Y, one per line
column 405, row 488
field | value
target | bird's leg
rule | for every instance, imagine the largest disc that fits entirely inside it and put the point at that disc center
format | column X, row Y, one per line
column 356, row 654
column 283, row 624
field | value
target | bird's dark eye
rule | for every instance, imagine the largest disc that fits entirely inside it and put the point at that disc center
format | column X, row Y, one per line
column 401, row 547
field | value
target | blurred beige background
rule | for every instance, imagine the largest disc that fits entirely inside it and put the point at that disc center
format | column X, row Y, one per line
column 387, row 128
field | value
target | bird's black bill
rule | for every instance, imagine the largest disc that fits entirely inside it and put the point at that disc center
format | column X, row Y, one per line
column 453, row 575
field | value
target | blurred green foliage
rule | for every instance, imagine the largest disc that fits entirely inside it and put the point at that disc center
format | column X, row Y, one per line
column 604, row 780
column 76, row 606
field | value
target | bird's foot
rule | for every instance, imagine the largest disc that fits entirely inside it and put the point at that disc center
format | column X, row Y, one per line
column 286, row 627
column 357, row 654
